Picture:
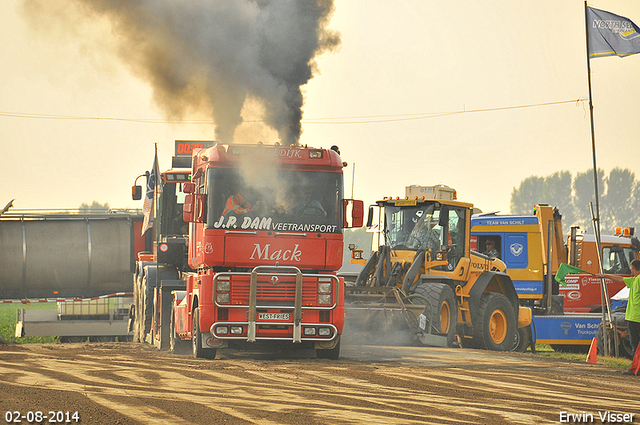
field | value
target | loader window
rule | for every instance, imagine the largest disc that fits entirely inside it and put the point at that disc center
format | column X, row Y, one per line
column 419, row 227
column 456, row 238
column 411, row 227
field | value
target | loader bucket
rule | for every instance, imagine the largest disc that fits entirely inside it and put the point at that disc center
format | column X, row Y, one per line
column 381, row 316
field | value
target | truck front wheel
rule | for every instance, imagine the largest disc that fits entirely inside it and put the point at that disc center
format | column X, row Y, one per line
column 523, row 340
column 331, row 354
column 196, row 339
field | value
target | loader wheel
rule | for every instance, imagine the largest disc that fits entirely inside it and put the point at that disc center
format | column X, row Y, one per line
column 444, row 310
column 494, row 324
column 196, row 340
column 176, row 345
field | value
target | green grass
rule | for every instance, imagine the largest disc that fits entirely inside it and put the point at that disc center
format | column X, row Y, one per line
column 542, row 350
column 8, row 323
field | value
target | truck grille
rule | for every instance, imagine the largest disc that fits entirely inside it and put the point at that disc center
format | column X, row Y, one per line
column 267, row 293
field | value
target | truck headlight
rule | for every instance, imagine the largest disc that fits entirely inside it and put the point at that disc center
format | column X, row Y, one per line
column 324, row 287
column 223, row 286
column 324, row 299
column 324, row 332
column 222, row 297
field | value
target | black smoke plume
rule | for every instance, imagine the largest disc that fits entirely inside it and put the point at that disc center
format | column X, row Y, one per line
column 214, row 55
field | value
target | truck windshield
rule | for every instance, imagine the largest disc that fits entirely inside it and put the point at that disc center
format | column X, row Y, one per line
column 617, row 260
column 170, row 202
column 291, row 201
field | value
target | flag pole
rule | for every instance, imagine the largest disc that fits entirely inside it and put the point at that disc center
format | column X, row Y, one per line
column 156, row 231
column 596, row 217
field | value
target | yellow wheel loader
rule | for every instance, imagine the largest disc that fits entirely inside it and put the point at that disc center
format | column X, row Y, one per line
column 424, row 275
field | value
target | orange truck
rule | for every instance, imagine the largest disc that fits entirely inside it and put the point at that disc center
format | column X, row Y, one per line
column 532, row 247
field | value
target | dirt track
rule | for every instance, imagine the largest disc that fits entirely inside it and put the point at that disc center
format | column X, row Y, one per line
column 127, row 383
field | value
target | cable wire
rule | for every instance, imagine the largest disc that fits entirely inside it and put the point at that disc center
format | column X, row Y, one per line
column 366, row 119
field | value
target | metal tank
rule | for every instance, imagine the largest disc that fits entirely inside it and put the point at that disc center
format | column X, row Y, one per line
column 67, row 254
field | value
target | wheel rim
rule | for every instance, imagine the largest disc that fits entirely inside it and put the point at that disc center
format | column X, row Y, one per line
column 498, row 326
column 445, row 317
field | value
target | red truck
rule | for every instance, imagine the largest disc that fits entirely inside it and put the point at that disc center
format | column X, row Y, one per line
column 260, row 256
column 582, row 294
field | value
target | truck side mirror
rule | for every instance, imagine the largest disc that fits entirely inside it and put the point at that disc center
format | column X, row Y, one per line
column 195, row 208
column 357, row 213
column 136, row 193
column 188, row 187
column 443, row 220
column 187, row 208
column 370, row 217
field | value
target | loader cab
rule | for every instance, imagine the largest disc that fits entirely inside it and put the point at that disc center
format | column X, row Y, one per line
column 432, row 226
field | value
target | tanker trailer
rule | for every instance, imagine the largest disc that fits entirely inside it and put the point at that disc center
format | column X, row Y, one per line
column 53, row 255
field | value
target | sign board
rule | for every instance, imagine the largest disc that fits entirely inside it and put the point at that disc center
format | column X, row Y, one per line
column 186, row 147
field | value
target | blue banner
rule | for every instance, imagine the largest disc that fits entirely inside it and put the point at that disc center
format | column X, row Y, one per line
column 611, row 35
column 152, row 188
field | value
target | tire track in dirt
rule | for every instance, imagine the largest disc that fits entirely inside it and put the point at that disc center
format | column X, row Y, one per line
column 420, row 386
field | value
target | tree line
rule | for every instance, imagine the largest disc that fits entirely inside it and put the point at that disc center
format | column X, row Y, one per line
column 619, row 194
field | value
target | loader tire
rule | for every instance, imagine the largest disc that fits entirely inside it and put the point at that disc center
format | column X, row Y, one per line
column 494, row 324
column 199, row 352
column 444, row 310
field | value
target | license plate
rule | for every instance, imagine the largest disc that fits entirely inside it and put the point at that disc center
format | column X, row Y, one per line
column 273, row 316
column 423, row 322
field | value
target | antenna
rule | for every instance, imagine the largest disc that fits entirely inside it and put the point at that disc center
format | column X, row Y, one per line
column 353, row 178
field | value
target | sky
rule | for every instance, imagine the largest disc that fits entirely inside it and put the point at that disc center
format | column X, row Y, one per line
column 476, row 95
